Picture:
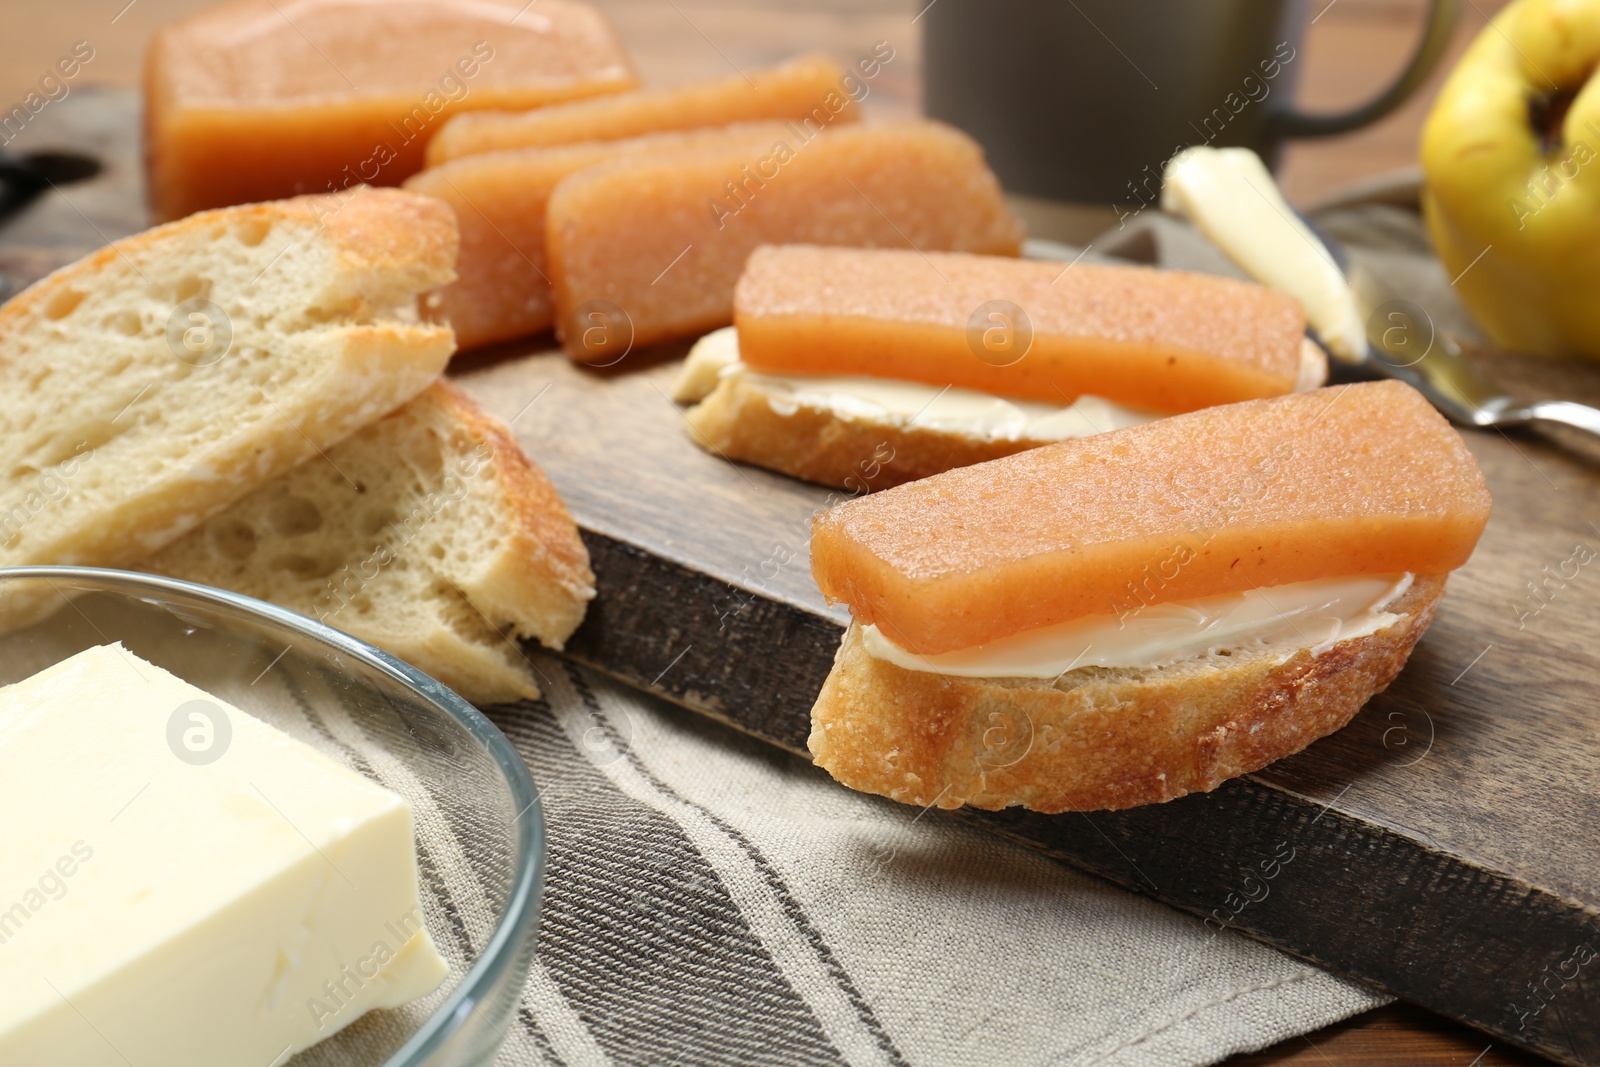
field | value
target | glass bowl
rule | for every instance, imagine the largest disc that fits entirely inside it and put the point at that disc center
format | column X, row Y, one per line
column 480, row 829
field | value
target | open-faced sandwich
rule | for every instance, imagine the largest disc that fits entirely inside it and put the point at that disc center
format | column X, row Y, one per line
column 1126, row 618
column 844, row 356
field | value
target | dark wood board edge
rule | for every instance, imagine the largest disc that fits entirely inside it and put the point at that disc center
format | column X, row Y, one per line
column 1359, row 899
column 745, row 659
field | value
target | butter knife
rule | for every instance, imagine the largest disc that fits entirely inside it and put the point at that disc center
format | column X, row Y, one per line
column 1231, row 198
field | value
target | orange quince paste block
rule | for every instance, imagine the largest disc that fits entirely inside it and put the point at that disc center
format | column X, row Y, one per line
column 1358, row 479
column 812, row 90
column 651, row 248
column 259, row 99
column 1152, row 339
column 502, row 287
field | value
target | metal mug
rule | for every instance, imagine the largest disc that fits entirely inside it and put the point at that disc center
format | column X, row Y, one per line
column 1085, row 100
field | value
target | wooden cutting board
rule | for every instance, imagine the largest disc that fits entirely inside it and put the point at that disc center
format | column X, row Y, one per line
column 1445, row 846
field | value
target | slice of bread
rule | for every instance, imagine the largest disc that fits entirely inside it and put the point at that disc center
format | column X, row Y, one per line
column 428, row 533
column 1097, row 738
column 158, row 380
column 754, row 418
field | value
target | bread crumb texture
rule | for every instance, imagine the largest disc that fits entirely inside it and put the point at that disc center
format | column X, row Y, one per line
column 428, row 533
column 156, row 381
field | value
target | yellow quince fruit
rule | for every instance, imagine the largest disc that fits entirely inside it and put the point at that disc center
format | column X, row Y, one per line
column 1511, row 151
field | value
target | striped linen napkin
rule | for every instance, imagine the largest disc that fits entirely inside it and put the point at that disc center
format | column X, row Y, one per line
column 711, row 900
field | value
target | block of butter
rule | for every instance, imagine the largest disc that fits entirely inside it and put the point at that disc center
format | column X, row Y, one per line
column 263, row 99
column 183, row 884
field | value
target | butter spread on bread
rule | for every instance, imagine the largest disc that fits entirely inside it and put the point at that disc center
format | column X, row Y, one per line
column 825, row 428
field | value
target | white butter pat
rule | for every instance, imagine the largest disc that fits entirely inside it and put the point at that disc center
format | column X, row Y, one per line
column 1232, row 198
column 184, row 885
column 850, row 396
column 1299, row 615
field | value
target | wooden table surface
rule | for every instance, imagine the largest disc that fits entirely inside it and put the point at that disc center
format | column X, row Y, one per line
column 1352, row 46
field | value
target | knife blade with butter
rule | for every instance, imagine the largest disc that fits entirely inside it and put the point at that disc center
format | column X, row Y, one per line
column 1231, row 198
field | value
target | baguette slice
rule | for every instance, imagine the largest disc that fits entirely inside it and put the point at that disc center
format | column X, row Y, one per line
column 124, row 418
column 1062, row 546
column 758, row 419
column 449, row 540
column 1097, row 738
column 791, row 425
column 751, row 420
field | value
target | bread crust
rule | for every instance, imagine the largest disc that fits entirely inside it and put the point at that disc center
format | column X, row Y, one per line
column 388, row 241
column 749, row 422
column 409, row 240
column 525, row 574
column 543, row 583
column 1094, row 738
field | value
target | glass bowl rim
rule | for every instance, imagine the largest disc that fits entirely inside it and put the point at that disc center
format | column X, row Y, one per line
column 522, row 902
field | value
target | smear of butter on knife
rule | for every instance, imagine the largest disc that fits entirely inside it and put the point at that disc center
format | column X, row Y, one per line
column 1230, row 196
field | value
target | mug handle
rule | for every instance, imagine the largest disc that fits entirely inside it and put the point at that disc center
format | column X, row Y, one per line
column 1442, row 15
